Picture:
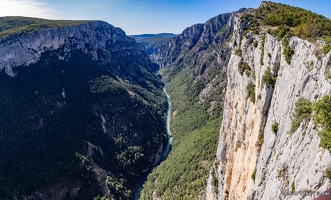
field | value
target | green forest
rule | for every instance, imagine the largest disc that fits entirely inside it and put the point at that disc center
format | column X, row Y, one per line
column 26, row 25
column 51, row 110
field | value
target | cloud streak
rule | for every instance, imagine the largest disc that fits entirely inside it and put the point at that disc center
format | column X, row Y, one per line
column 27, row 8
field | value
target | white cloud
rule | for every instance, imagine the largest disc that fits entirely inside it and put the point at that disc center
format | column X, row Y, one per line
column 27, row 8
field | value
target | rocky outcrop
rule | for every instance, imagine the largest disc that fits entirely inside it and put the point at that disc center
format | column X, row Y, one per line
column 23, row 49
column 253, row 161
column 195, row 39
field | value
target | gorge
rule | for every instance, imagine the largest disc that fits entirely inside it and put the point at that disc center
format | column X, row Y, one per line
column 84, row 114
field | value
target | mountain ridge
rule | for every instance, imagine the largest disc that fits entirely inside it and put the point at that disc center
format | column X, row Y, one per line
column 83, row 113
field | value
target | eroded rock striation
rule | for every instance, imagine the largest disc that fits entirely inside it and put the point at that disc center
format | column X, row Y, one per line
column 26, row 49
column 255, row 161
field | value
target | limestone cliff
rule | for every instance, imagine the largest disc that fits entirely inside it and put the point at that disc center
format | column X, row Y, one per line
column 26, row 49
column 254, row 161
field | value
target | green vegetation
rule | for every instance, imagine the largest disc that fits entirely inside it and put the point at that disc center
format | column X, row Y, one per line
column 322, row 119
column 190, row 169
column 293, row 186
column 242, row 67
column 326, row 49
column 248, row 73
column 57, row 107
column 255, row 43
column 304, row 24
column 274, row 127
column 26, row 25
column 192, row 154
column 281, row 31
column 328, row 173
column 287, row 51
column 253, row 175
column 106, row 84
column 328, row 72
column 251, row 91
column 302, row 111
column 215, row 182
column 260, row 139
column 195, row 118
column 252, row 23
column 238, row 52
column 262, row 49
column 283, row 21
column 268, row 79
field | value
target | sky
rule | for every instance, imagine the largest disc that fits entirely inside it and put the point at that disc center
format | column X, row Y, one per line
column 143, row 16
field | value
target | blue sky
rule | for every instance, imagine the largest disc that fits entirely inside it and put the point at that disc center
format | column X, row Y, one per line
column 143, row 16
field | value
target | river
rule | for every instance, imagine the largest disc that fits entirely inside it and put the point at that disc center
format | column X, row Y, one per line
column 168, row 147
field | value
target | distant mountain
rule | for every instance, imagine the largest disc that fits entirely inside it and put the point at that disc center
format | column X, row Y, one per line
column 151, row 41
column 82, row 113
column 166, row 35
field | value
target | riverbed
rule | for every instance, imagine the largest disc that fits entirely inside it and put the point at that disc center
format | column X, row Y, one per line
column 168, row 147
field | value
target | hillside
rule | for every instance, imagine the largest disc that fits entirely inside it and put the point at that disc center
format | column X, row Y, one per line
column 82, row 112
column 193, row 65
column 12, row 25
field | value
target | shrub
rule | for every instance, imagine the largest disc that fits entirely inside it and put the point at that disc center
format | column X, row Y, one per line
column 306, row 24
column 260, row 139
column 105, row 84
column 238, row 52
column 255, row 43
column 251, row 91
column 282, row 31
column 248, row 73
column 302, row 111
column 328, row 173
column 268, row 78
column 242, row 67
column 293, row 186
column 326, row 49
column 274, row 127
column 253, row 175
column 215, row 183
column 287, row 51
column 322, row 119
column 262, row 49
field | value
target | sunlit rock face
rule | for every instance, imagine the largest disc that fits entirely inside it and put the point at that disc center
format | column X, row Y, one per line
column 281, row 162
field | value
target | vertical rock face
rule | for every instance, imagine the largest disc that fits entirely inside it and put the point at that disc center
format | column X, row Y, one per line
column 194, row 40
column 254, row 162
column 82, row 113
column 25, row 49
